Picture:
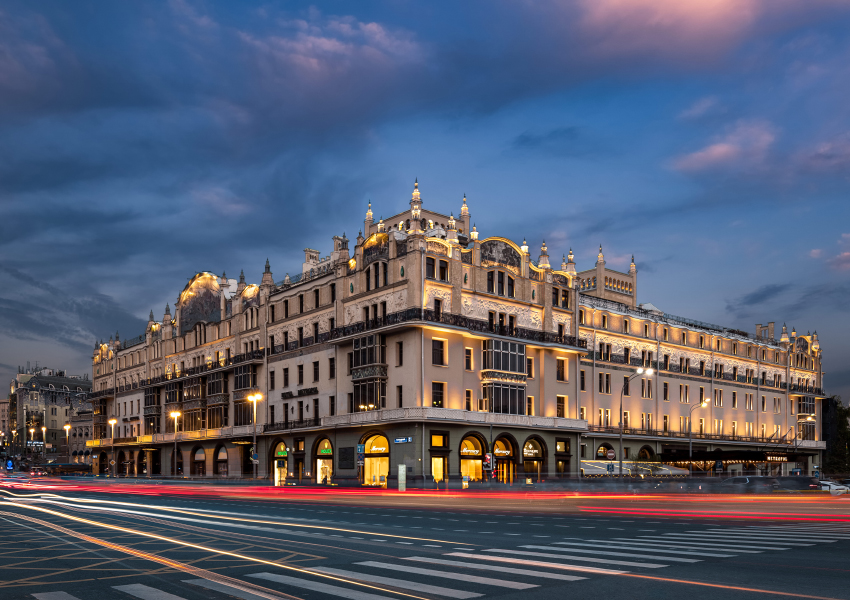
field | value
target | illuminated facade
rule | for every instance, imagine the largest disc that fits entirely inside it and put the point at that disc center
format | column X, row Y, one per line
column 430, row 348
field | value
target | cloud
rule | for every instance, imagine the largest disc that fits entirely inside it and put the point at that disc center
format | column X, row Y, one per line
column 841, row 262
column 831, row 156
column 765, row 294
column 699, row 108
column 746, row 144
column 561, row 141
column 815, row 253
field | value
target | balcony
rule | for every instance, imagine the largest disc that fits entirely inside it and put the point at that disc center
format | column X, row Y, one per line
column 705, row 436
column 420, row 413
column 413, row 315
column 288, row 425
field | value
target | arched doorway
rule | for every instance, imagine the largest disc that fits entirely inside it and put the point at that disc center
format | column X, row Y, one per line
column 280, row 460
column 178, row 463
column 141, row 463
column 376, row 463
column 121, row 467
column 504, row 469
column 74, row 455
column 602, row 452
column 199, row 462
column 533, row 456
column 103, row 464
column 471, row 459
column 324, row 461
column 221, row 461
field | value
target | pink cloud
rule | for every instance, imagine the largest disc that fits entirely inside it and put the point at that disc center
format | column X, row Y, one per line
column 699, row 108
column 815, row 253
column 840, row 262
column 831, row 155
column 746, row 144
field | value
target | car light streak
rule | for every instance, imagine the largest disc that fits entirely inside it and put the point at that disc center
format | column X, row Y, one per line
column 196, row 571
column 664, row 512
column 726, row 587
column 217, row 516
column 201, row 547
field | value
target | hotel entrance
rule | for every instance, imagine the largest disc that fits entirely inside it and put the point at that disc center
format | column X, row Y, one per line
column 280, row 458
column 471, row 460
column 505, row 468
column 324, row 462
column 376, row 461
column 532, row 460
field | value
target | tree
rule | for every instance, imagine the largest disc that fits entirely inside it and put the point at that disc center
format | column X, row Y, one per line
column 837, row 436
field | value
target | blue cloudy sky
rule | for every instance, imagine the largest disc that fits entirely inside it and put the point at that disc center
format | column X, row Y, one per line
column 142, row 142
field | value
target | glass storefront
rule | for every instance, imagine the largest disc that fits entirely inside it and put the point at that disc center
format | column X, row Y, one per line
column 438, row 468
column 504, row 470
column 221, row 462
column 324, row 462
column 376, row 467
column 471, row 456
column 281, row 457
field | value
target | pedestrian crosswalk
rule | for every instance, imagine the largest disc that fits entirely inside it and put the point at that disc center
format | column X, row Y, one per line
column 466, row 574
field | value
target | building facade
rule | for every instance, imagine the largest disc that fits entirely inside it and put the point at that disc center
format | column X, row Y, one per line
column 425, row 348
column 42, row 402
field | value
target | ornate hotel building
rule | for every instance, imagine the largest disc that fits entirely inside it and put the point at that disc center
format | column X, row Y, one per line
column 424, row 348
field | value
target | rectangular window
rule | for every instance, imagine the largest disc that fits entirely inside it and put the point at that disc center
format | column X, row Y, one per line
column 504, row 398
column 666, row 423
column 510, row 287
column 444, row 270
column 332, row 405
column 529, row 405
column 607, row 383
column 763, row 404
column 491, row 284
column 467, row 359
column 604, row 321
column 333, row 293
column 286, row 309
column 271, row 381
column 666, row 396
column 468, row 398
column 500, row 286
column 582, row 380
column 315, row 371
column 300, row 374
column 561, row 407
column 581, row 317
column 437, row 352
column 561, row 370
column 430, row 268
column 626, row 391
column 583, row 413
column 332, row 368
column 601, row 383
column 437, row 394
column 300, row 303
column 529, row 368
column 398, row 396
column 625, row 325
column 399, row 354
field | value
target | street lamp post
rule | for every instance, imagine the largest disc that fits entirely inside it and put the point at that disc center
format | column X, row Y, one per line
column 67, row 428
column 640, row 371
column 255, row 398
column 43, row 443
column 112, row 439
column 174, row 415
column 690, row 436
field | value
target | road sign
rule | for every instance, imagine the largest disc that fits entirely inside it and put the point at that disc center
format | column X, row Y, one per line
column 403, row 440
column 611, row 454
column 111, row 462
column 610, row 467
column 718, row 465
column 361, row 448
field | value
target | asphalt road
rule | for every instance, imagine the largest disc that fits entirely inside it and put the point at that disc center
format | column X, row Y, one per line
column 134, row 542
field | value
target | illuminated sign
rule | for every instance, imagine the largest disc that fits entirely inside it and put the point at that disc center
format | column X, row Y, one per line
column 502, row 452
column 281, row 453
column 377, row 449
column 325, row 451
column 403, row 440
column 474, row 451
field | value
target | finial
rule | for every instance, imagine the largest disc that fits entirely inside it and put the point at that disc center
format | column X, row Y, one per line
column 268, row 267
column 224, row 275
column 242, row 276
column 167, row 308
column 150, row 317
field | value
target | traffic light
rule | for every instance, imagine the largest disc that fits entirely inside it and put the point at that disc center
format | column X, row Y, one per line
column 488, row 462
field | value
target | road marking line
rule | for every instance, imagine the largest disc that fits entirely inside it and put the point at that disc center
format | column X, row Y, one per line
column 606, row 553
column 697, row 544
column 400, row 583
column 537, row 563
column 145, row 593
column 499, row 568
column 225, row 589
column 724, row 539
column 324, row 588
column 644, row 547
column 54, row 596
column 604, row 561
column 515, row 585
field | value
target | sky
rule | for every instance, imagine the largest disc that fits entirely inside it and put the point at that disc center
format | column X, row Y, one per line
column 141, row 143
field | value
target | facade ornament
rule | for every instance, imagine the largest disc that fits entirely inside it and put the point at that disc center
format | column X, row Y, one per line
column 524, row 246
column 474, row 234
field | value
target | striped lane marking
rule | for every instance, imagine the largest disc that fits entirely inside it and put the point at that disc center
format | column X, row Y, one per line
column 538, row 563
column 324, row 588
column 225, row 589
column 500, row 569
column 603, row 561
column 725, row 539
column 412, row 586
column 445, row 575
column 54, row 596
column 643, row 547
column 606, row 553
column 696, row 544
column 145, row 593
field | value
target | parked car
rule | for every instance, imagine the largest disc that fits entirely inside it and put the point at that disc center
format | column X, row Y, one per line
column 37, row 472
column 834, row 488
column 798, row 483
column 748, row 485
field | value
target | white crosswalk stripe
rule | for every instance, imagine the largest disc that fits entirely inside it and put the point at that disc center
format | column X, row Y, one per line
column 403, row 584
column 644, row 547
column 790, row 533
column 145, row 593
column 316, row 586
column 758, row 536
column 225, row 589
column 54, row 596
column 724, row 539
column 538, row 563
column 607, row 553
column 447, row 575
column 500, row 568
column 696, row 544
column 602, row 561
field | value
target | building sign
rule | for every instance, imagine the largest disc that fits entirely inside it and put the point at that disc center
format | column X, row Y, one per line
column 470, row 451
column 326, row 451
column 403, row 440
column 531, row 450
column 502, row 449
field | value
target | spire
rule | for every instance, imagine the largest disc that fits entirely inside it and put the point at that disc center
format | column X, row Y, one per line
column 632, row 267
column 268, row 267
column 381, row 225
column 474, row 233
column 267, row 275
column 543, row 261
column 563, row 263
column 464, row 210
column 369, row 218
column 571, row 264
column 150, row 317
column 360, row 238
column 600, row 258
column 815, row 342
column 167, row 309
column 784, row 337
column 415, row 200
column 524, row 246
column 224, row 275
column 452, row 221
column 242, row 276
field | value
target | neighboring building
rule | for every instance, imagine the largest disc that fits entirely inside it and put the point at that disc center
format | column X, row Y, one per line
column 432, row 348
column 46, row 398
column 5, row 438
